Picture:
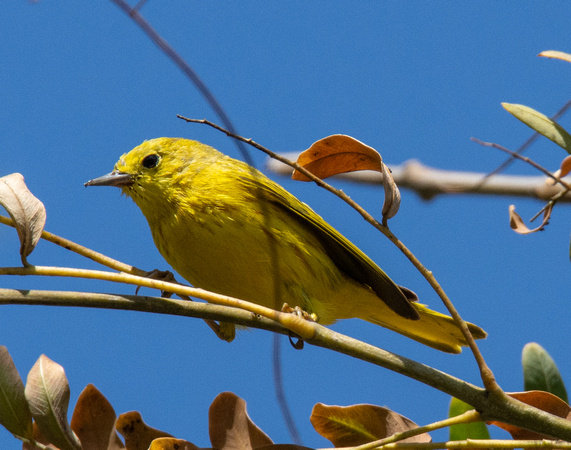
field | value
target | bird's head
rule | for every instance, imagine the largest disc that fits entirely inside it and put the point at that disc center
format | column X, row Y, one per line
column 147, row 171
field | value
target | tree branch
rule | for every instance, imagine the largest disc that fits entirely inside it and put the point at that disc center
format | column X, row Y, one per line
column 491, row 405
column 429, row 182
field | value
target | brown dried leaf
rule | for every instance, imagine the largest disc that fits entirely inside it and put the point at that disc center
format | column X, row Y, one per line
column 541, row 400
column 230, row 427
column 47, row 392
column 93, row 420
column 563, row 170
column 137, row 434
column 565, row 166
column 27, row 212
column 517, row 224
column 38, row 437
column 392, row 194
column 355, row 425
column 556, row 54
column 337, row 154
column 166, row 443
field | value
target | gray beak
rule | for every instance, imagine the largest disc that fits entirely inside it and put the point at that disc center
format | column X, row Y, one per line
column 117, row 179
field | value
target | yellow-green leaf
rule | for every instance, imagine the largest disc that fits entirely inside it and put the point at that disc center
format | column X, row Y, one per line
column 540, row 123
column 460, row 432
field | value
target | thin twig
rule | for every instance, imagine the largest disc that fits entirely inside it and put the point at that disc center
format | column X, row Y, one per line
column 525, row 159
column 485, row 372
column 539, row 167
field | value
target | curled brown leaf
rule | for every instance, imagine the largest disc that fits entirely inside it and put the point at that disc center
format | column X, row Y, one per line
column 392, row 194
column 518, row 225
column 27, row 212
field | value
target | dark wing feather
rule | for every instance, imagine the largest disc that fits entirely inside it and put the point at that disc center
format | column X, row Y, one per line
column 346, row 256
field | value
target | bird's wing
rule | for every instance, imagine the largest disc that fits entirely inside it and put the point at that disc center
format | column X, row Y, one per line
column 346, row 256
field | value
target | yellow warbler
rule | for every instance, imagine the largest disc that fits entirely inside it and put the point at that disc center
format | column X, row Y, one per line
column 222, row 224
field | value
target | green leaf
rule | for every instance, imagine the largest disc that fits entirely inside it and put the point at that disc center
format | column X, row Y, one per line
column 540, row 372
column 15, row 413
column 460, row 432
column 541, row 123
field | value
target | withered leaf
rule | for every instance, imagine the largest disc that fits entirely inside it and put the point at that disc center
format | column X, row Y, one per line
column 556, row 54
column 27, row 212
column 47, row 392
column 518, row 225
column 93, row 420
column 337, row 154
column 541, row 400
column 347, row 426
column 392, row 194
column 230, row 427
column 137, row 434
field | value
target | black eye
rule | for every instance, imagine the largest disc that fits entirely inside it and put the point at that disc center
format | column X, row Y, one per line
column 151, row 161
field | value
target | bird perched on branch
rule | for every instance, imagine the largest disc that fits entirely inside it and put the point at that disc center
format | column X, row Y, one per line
column 227, row 228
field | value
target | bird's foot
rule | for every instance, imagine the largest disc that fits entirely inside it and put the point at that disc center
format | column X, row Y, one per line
column 299, row 312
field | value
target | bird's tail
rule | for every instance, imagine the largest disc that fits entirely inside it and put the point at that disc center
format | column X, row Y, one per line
column 433, row 329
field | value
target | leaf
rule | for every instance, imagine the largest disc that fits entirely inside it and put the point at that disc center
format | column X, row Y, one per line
column 93, row 420
column 355, row 425
column 15, row 413
column 230, row 427
column 337, row 154
column 38, row 438
column 460, row 432
column 27, row 212
column 563, row 170
column 137, row 434
column 540, row 372
column 392, row 194
column 166, row 443
column 541, row 400
column 47, row 391
column 517, row 224
column 541, row 123
column 556, row 55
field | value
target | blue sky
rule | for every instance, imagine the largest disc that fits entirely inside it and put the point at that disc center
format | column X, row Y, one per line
column 80, row 85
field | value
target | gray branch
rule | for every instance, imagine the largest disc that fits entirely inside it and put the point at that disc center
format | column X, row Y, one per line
column 429, row 182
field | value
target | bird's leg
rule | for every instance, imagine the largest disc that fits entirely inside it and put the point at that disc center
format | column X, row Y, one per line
column 224, row 330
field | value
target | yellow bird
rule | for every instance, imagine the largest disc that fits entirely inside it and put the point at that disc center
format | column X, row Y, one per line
column 221, row 223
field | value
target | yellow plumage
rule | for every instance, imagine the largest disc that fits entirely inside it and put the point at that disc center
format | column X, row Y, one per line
column 220, row 224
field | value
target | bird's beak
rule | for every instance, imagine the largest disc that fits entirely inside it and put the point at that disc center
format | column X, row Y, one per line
column 115, row 178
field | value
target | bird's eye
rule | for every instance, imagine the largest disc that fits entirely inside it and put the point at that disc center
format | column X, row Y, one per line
column 151, row 161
